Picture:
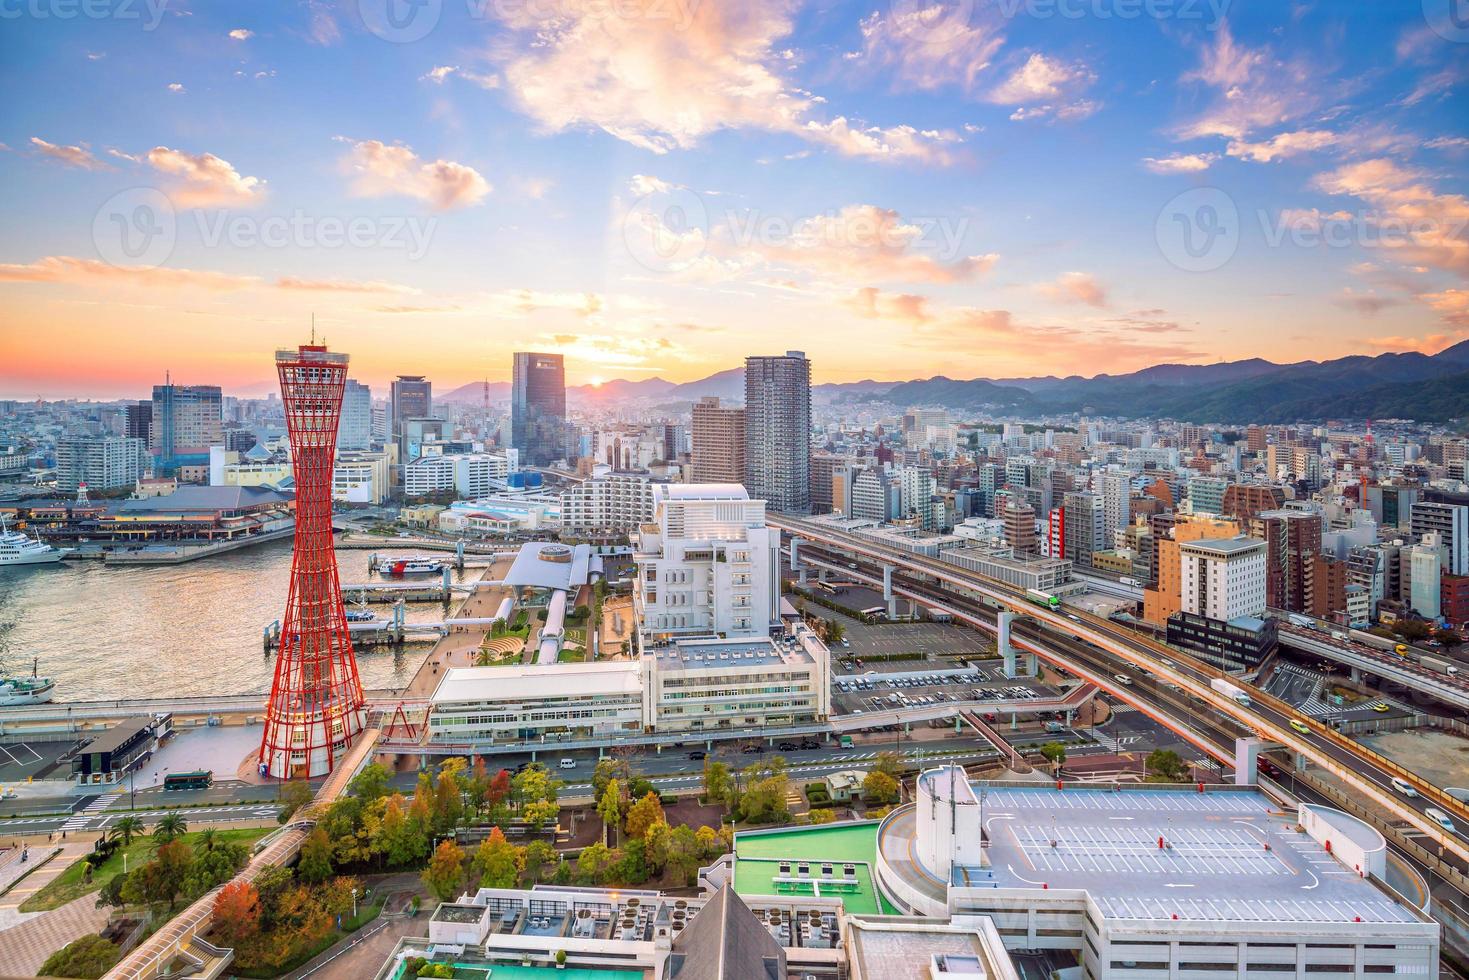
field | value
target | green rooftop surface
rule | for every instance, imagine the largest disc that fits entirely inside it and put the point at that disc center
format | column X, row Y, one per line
column 494, row 971
column 758, row 857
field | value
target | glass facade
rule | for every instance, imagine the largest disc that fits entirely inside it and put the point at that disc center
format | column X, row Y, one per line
column 538, row 408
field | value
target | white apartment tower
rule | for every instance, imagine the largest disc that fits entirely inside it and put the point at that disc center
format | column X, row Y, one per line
column 1223, row 578
column 707, row 565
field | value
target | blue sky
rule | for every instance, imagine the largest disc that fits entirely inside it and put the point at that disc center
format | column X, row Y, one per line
column 977, row 188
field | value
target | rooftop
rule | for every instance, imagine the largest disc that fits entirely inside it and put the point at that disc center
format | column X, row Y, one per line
column 1215, row 864
column 756, row 651
column 770, row 863
column 188, row 499
column 703, row 491
column 533, row 681
column 1224, row 546
column 551, row 565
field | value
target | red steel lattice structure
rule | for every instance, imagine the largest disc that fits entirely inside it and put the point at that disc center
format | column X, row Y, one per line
column 316, row 702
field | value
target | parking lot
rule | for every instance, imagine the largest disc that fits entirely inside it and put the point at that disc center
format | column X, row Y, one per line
column 923, row 685
column 22, row 760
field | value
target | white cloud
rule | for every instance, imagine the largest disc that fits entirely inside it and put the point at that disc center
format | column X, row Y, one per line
column 175, row 86
column 1282, row 145
column 905, row 43
column 1076, row 287
column 1253, row 89
column 438, row 73
column 1041, row 79
column 241, row 34
column 1409, row 217
column 204, row 180
column 642, row 185
column 664, row 76
column 382, row 170
column 1180, row 163
column 72, row 156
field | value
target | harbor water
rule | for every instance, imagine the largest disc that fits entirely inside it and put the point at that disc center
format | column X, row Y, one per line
column 106, row 632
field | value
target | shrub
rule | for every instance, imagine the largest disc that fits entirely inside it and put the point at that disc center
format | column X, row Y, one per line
column 87, row 958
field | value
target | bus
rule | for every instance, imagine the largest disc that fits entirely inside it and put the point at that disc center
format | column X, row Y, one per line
column 1043, row 598
column 199, row 779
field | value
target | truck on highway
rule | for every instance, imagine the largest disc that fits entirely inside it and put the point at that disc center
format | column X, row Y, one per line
column 1305, row 622
column 1229, row 690
column 1439, row 664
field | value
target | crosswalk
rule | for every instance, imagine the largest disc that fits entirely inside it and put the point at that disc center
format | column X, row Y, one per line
column 1114, row 743
column 84, row 816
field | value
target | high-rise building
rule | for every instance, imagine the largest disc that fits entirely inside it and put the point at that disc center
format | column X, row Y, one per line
column 778, row 431
column 186, row 421
column 538, row 408
column 355, row 431
column 916, row 485
column 1085, row 531
column 101, row 462
column 823, row 472
column 409, row 397
column 707, row 565
column 1223, row 578
column 1243, row 501
column 1020, row 528
column 1448, row 520
column 1293, row 540
column 139, row 419
column 718, row 433
column 875, row 495
column 315, row 706
column 1116, row 491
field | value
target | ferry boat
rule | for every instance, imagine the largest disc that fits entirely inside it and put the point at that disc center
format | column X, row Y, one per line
column 26, row 690
column 412, row 566
column 360, row 615
column 19, row 549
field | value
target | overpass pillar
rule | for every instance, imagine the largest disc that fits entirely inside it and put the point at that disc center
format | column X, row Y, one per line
column 1008, row 652
column 887, row 591
column 1246, row 760
column 1356, row 675
column 796, row 565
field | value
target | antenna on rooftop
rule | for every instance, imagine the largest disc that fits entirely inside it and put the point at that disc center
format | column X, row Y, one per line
column 313, row 330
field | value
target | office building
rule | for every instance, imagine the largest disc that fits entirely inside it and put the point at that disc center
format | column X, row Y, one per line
column 916, row 502
column 1206, row 495
column 186, row 421
column 538, row 408
column 1243, row 501
column 1166, row 597
column 1233, row 645
column 707, row 565
column 778, row 431
column 1450, row 522
column 138, row 421
column 1222, row 578
column 1293, row 540
column 1116, row 493
column 411, row 396
column 875, row 495
column 1085, row 522
column 1020, row 528
column 1425, row 571
column 355, row 429
column 718, row 433
column 823, row 471
column 101, row 462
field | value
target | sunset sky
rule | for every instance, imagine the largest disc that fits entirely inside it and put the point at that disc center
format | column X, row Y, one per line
column 661, row 187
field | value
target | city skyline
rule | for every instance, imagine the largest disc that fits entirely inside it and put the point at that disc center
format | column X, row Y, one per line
column 995, row 196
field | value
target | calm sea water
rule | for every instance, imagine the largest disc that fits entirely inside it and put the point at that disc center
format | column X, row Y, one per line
column 193, row 629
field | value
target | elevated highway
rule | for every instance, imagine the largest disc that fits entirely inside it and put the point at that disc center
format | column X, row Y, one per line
column 1273, row 720
column 1451, row 690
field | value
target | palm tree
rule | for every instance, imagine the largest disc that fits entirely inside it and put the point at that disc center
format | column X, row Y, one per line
column 208, row 837
column 127, row 828
column 169, row 827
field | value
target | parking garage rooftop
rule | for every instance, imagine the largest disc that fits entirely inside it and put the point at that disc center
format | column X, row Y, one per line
column 1227, row 855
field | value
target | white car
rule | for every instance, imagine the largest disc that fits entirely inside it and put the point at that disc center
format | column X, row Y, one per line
column 1403, row 787
column 1441, row 818
column 1122, row 679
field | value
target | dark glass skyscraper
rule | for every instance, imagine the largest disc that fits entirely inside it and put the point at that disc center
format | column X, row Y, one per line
column 411, row 397
column 778, row 431
column 538, row 408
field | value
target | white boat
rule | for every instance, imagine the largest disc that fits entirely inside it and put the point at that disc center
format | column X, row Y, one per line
column 18, row 549
column 416, row 565
column 26, row 690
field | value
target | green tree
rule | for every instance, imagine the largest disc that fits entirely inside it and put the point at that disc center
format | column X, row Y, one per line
column 206, row 840
column 127, row 828
column 445, row 870
column 169, row 827
column 888, row 762
column 88, row 957
column 764, row 796
column 606, row 771
column 1054, row 753
column 643, row 814
column 371, row 784
column 294, row 795
column 880, row 787
column 821, row 815
column 719, row 786
column 683, row 854
column 401, row 841
column 161, row 880
column 538, row 854
column 315, row 865
column 1166, row 766
column 835, row 631
column 448, row 800
column 609, row 807
column 594, row 864
column 498, row 861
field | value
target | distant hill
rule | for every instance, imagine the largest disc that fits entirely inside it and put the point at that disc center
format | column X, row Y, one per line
column 1407, row 385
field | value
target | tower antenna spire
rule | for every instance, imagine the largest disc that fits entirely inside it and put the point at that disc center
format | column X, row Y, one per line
column 313, row 330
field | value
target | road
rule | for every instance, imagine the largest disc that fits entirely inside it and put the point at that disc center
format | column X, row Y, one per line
column 1087, row 638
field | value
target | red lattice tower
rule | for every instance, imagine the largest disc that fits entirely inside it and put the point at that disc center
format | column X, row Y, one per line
column 316, row 703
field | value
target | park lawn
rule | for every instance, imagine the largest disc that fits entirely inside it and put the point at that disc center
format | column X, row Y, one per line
column 72, row 884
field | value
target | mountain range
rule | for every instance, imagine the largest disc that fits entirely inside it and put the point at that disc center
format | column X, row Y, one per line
column 1429, row 388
